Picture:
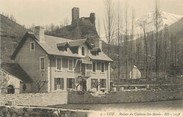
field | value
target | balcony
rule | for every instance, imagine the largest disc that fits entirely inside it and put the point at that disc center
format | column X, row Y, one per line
column 85, row 74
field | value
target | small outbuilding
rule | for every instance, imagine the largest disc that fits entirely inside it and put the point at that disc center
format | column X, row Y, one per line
column 14, row 79
column 135, row 73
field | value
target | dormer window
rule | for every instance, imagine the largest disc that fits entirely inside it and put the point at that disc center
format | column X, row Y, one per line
column 32, row 46
column 83, row 51
column 62, row 46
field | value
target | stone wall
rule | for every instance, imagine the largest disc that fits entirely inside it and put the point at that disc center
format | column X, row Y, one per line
column 34, row 99
column 120, row 97
column 8, row 111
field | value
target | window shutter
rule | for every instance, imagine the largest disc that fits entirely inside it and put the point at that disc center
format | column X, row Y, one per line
column 62, row 83
column 55, row 83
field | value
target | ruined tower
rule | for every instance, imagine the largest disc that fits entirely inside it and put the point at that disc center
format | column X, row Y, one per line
column 75, row 15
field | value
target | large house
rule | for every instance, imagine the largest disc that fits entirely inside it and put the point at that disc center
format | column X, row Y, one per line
column 59, row 64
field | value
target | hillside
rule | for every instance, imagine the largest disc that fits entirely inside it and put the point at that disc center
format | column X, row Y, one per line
column 11, row 33
column 84, row 28
column 165, row 19
column 177, row 28
column 170, row 46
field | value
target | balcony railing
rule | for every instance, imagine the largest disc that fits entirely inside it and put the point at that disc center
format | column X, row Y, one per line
column 86, row 74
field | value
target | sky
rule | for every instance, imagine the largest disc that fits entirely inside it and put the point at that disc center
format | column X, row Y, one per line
column 45, row 12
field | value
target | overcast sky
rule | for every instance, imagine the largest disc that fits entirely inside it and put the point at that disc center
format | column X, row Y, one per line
column 45, row 12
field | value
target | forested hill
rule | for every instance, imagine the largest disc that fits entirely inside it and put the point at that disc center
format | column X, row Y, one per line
column 11, row 33
column 84, row 28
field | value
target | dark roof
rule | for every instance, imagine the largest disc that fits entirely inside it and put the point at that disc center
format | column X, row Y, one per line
column 96, row 49
column 75, row 43
column 50, row 47
column 15, row 70
column 62, row 44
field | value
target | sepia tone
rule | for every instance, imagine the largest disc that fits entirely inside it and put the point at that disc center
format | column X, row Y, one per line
column 107, row 58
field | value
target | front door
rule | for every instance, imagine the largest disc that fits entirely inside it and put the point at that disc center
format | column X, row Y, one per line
column 83, row 69
column 10, row 89
column 83, row 85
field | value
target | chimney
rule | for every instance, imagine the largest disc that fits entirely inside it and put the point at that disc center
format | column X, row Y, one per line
column 75, row 15
column 39, row 33
column 98, row 43
column 92, row 18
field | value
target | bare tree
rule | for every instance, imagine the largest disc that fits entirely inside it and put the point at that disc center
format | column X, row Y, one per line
column 143, row 26
column 40, row 84
column 131, row 41
column 109, row 22
column 157, row 42
column 166, row 50
column 98, row 27
column 3, row 82
column 118, row 42
column 126, row 39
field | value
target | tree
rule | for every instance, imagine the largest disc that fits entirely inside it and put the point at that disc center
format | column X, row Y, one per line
column 40, row 84
column 126, row 39
column 132, row 49
column 98, row 27
column 156, row 33
column 118, row 44
column 3, row 80
column 143, row 26
column 109, row 22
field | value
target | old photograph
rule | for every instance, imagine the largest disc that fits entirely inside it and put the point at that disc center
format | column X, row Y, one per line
column 91, row 58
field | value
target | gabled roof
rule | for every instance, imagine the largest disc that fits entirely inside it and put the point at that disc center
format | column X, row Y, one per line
column 101, row 57
column 76, row 43
column 62, row 44
column 17, row 71
column 96, row 49
column 27, row 34
column 50, row 46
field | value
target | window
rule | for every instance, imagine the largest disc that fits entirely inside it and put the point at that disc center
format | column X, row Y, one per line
column 94, row 84
column 89, row 66
column 83, row 51
column 59, row 83
column 94, row 67
column 32, row 46
column 71, row 65
column 106, row 66
column 59, row 64
column 102, row 83
column 98, row 66
column 24, row 87
column 102, row 67
column 71, row 83
column 42, row 63
column 64, row 63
